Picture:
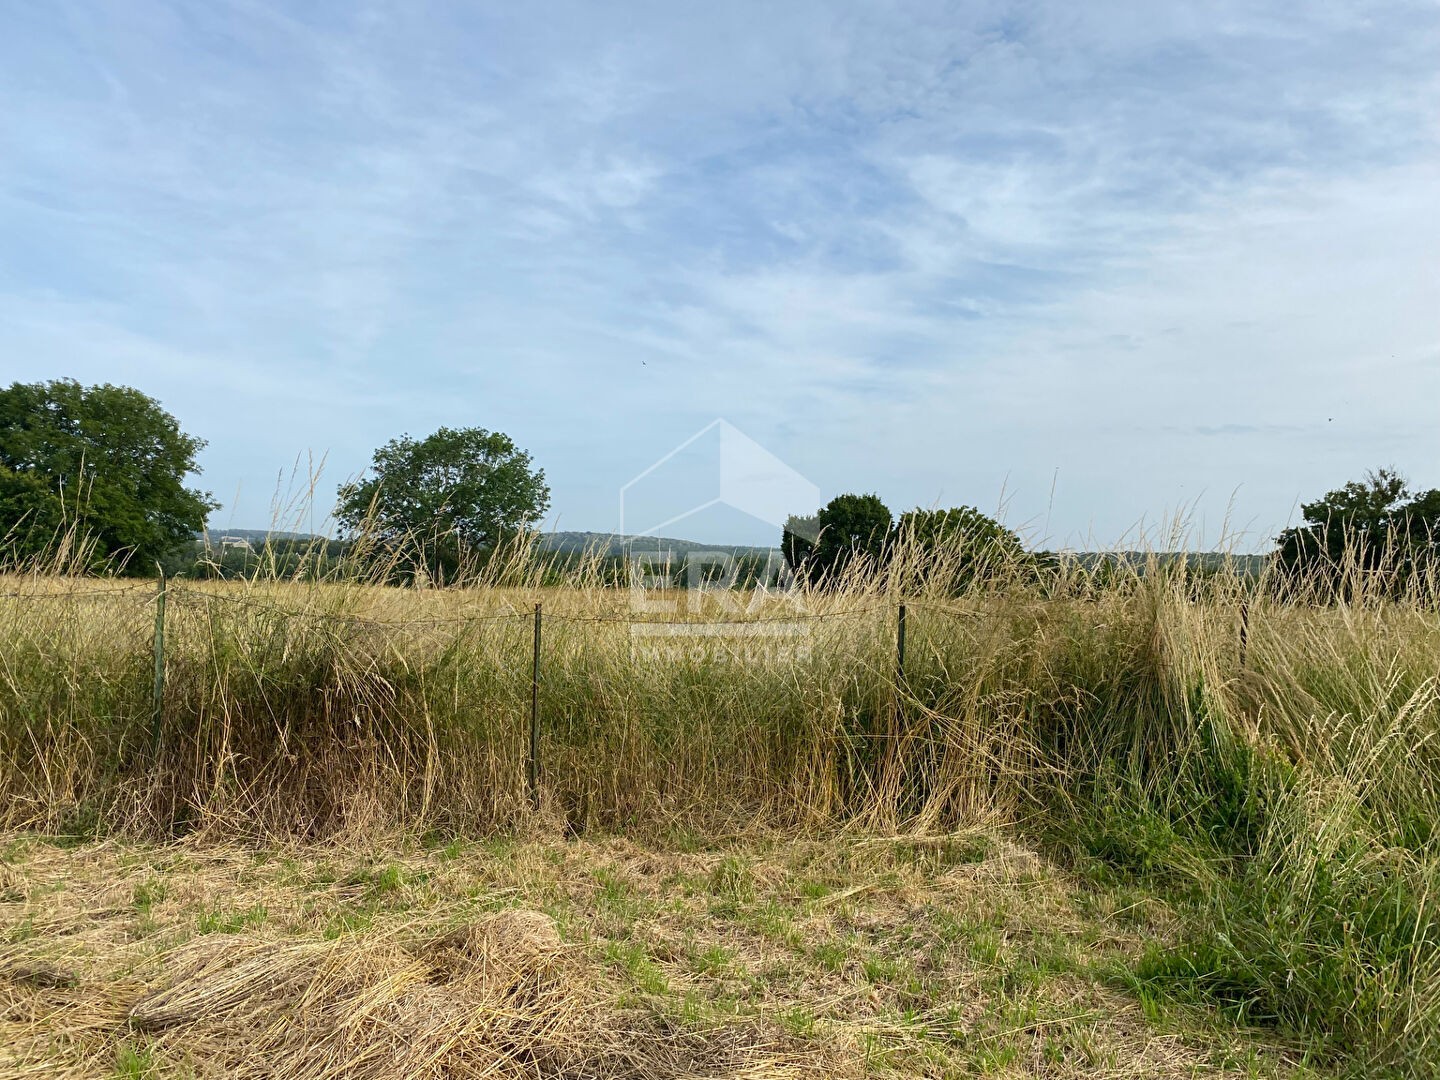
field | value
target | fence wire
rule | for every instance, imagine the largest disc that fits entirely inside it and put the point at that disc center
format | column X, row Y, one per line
column 80, row 594
column 799, row 616
column 345, row 618
column 139, row 623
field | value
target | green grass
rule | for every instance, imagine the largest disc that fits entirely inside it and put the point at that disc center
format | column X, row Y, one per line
column 922, row 971
column 231, row 922
column 134, row 1062
column 632, row 959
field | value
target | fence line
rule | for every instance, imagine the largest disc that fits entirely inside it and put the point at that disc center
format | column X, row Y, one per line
column 338, row 617
column 902, row 694
column 185, row 594
column 939, row 609
column 799, row 616
column 76, row 594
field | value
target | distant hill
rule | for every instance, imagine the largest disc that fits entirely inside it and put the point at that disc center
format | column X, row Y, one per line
column 615, row 544
column 257, row 536
column 620, row 545
column 1245, row 565
column 565, row 542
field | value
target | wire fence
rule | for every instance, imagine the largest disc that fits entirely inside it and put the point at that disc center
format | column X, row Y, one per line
column 165, row 594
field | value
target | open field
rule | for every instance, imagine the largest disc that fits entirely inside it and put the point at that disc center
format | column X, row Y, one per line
column 767, row 957
column 1264, row 816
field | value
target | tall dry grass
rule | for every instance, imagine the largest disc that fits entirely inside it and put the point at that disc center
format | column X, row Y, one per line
column 1287, row 803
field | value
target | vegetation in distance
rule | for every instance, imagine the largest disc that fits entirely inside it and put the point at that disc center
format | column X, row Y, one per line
column 92, row 479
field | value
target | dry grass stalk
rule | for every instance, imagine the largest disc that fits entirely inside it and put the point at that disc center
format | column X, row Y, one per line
column 496, row 998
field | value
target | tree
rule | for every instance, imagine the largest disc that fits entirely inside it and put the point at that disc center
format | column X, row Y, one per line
column 1374, row 527
column 450, row 496
column 104, row 461
column 851, row 529
column 797, row 540
column 949, row 549
column 32, row 513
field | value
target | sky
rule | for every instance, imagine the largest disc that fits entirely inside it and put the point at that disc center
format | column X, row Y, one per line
column 1106, row 269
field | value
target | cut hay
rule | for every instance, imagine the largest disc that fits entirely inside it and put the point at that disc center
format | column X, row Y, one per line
column 891, row 956
column 498, row 998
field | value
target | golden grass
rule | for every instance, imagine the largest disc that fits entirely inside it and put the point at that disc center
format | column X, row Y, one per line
column 768, row 958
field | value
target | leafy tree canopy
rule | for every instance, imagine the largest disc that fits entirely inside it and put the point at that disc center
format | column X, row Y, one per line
column 849, row 529
column 923, row 547
column 797, row 540
column 952, row 546
column 1375, row 525
column 458, row 492
column 104, row 461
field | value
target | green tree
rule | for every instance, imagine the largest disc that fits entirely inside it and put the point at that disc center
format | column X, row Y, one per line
column 950, row 549
column 1375, row 527
column 851, row 529
column 106, row 462
column 449, row 497
column 797, row 539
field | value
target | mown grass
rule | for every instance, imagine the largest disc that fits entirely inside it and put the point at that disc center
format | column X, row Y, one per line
column 862, row 957
column 1281, row 810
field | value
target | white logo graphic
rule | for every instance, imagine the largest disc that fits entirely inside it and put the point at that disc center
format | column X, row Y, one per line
column 708, row 604
column 740, row 474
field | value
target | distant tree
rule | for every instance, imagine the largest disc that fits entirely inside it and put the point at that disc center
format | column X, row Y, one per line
column 797, row 540
column 105, row 462
column 453, row 495
column 1375, row 527
column 851, row 528
column 951, row 547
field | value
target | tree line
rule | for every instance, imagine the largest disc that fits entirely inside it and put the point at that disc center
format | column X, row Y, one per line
column 94, row 479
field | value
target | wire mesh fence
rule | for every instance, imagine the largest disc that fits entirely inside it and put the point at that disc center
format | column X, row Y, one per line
column 510, row 701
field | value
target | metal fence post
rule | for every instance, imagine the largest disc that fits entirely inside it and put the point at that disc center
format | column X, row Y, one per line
column 900, row 645
column 532, row 772
column 899, row 663
column 157, row 696
column 1244, row 627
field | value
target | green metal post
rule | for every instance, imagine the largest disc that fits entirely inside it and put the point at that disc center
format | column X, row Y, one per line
column 532, row 772
column 157, row 701
column 897, row 720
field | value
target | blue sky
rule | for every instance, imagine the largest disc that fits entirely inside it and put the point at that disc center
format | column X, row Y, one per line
column 1101, row 264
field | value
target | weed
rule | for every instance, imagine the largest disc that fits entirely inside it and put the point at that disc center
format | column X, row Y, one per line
column 231, row 922
column 134, row 1062
column 714, row 960
column 147, row 894
column 632, row 958
column 798, row 1021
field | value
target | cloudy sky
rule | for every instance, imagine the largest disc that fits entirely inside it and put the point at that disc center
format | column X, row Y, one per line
column 1102, row 263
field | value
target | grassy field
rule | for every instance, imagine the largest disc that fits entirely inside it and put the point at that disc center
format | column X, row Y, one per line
column 755, row 957
column 1183, row 858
